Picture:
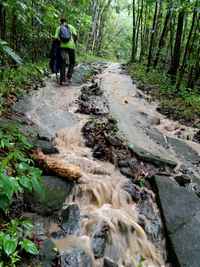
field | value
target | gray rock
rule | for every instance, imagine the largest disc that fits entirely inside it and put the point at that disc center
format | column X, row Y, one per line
column 194, row 187
column 46, row 146
column 96, row 105
column 182, row 180
column 55, row 192
column 71, row 219
column 81, row 73
column 76, row 258
column 149, row 218
column 127, row 172
column 181, row 213
column 99, row 240
column 151, row 158
column 48, row 254
column 114, row 140
column 134, row 191
column 109, row 263
column 183, row 150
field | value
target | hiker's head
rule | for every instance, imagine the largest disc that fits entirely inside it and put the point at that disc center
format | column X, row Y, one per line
column 63, row 20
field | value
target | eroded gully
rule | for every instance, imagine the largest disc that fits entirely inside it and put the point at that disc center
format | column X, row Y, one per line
column 102, row 222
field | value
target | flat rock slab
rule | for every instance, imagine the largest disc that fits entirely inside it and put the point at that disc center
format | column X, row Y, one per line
column 127, row 109
column 181, row 212
column 183, row 150
column 147, row 156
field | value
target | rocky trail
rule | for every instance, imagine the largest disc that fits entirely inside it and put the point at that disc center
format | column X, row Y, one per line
column 121, row 181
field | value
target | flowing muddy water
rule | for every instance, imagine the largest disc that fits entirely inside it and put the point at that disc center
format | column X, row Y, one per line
column 109, row 216
column 105, row 225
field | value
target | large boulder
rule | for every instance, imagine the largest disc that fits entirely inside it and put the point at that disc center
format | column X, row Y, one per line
column 70, row 217
column 181, row 213
column 76, row 257
column 55, row 192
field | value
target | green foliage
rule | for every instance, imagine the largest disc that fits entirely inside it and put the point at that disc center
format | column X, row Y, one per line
column 14, row 239
column 17, row 172
column 15, row 81
column 17, row 175
column 183, row 105
column 7, row 51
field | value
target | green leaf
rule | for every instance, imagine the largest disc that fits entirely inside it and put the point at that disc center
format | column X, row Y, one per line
column 7, row 186
column 4, row 202
column 29, row 247
column 27, row 225
column 37, row 185
column 10, row 52
column 25, row 182
column 9, row 244
column 23, row 166
column 2, row 235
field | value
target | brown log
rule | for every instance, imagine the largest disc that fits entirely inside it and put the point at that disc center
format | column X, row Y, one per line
column 57, row 166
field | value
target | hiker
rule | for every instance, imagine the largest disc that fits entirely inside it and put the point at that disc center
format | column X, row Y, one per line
column 67, row 36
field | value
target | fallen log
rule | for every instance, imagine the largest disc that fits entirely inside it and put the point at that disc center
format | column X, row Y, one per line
column 57, row 166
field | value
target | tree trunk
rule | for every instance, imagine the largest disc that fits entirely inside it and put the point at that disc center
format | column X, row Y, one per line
column 152, row 37
column 187, row 48
column 177, row 47
column 139, row 18
column 143, row 36
column 2, row 22
column 133, row 35
column 163, row 35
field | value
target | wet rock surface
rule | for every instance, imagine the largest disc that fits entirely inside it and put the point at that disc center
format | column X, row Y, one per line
column 99, row 240
column 48, row 254
column 55, row 192
column 109, row 263
column 84, row 72
column 196, row 137
column 70, row 218
column 76, row 258
column 92, row 100
column 181, row 211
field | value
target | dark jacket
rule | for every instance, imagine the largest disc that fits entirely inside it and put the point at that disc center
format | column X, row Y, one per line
column 55, row 57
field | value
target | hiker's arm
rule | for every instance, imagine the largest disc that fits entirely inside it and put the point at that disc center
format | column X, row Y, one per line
column 75, row 37
column 56, row 36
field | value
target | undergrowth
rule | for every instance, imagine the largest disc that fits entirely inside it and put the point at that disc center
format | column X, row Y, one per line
column 17, row 176
column 182, row 105
column 14, row 81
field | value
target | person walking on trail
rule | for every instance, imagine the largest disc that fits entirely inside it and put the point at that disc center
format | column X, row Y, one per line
column 67, row 36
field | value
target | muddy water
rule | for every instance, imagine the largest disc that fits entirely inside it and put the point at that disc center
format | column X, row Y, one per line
column 104, row 203
column 109, row 218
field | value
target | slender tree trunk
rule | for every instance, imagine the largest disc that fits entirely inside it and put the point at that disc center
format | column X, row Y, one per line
column 140, row 11
column 187, row 48
column 133, row 34
column 2, row 22
column 163, row 35
column 14, row 31
column 143, row 35
column 177, row 47
column 152, row 37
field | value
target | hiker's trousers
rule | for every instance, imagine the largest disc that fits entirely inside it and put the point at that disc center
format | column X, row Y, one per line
column 67, row 53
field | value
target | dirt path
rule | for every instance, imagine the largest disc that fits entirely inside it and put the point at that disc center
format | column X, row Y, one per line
column 106, row 219
column 142, row 125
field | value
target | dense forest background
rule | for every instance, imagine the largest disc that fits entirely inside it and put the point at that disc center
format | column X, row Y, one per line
column 162, row 34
